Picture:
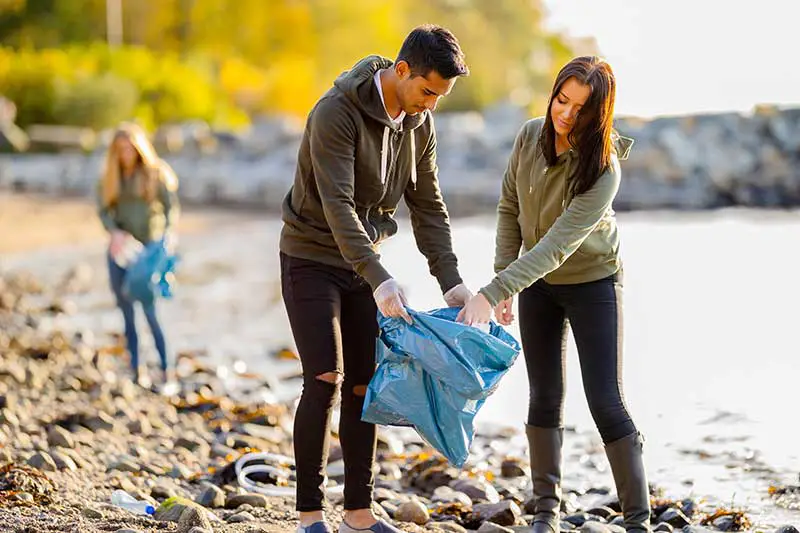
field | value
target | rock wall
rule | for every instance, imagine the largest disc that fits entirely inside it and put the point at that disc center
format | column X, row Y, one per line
column 689, row 162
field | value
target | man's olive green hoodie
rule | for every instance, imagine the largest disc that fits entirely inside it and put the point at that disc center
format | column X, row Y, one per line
column 564, row 239
column 353, row 167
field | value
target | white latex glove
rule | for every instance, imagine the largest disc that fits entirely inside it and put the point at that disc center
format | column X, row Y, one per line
column 171, row 240
column 458, row 296
column 503, row 312
column 391, row 300
column 117, row 242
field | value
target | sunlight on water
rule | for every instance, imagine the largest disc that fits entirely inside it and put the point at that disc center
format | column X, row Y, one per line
column 710, row 323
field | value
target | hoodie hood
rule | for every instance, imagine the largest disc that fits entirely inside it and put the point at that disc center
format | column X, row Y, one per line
column 359, row 86
column 622, row 145
column 357, row 83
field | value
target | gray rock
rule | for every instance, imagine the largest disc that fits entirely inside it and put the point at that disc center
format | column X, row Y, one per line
column 504, row 513
column 663, row 527
column 603, row 512
column 101, row 421
column 140, row 426
column 238, row 518
column 452, row 527
column 674, row 517
column 577, row 519
column 478, row 490
column 390, row 471
column 211, row 497
column 91, row 513
column 163, row 492
column 64, row 462
column 696, row 529
column 512, row 468
column 381, row 494
column 220, row 450
column 255, row 500
column 413, row 511
column 7, row 416
column 190, row 444
column 126, row 530
column 180, row 471
column 174, row 511
column 786, row 529
column 125, row 466
column 594, row 527
column 191, row 518
column 724, row 523
column 58, row 436
column 489, row 527
column 43, row 461
column 448, row 495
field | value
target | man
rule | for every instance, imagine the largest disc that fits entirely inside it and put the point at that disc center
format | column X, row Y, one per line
column 369, row 142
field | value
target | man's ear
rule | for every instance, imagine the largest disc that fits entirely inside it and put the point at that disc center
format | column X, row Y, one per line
column 402, row 69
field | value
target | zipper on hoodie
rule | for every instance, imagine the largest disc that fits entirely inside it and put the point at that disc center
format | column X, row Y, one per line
column 539, row 203
column 391, row 163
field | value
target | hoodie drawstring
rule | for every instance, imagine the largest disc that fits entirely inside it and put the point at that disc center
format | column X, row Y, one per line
column 384, row 153
column 385, row 157
column 413, row 162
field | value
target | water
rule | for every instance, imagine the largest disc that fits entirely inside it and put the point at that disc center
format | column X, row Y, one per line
column 711, row 362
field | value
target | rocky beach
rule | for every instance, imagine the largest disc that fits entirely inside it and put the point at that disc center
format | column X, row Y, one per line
column 74, row 428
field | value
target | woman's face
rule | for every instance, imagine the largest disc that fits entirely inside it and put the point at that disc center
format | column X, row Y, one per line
column 128, row 156
column 566, row 104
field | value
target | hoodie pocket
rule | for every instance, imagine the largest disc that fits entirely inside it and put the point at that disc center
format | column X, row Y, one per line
column 379, row 226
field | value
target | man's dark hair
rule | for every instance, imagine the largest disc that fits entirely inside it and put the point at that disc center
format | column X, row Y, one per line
column 430, row 47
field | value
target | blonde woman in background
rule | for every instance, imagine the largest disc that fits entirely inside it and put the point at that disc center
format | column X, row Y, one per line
column 138, row 204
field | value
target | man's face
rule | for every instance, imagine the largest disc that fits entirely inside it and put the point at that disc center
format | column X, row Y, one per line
column 418, row 93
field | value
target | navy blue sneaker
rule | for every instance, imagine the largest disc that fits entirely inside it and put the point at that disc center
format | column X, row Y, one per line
column 316, row 527
column 379, row 527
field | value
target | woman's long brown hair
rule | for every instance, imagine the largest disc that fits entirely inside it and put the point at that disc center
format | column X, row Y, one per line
column 592, row 134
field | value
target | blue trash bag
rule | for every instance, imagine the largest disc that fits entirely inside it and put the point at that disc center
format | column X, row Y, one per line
column 435, row 375
column 151, row 275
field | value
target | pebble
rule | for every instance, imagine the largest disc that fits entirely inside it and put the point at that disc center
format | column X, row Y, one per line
column 64, row 462
column 191, row 518
column 412, row 511
column 91, row 513
column 504, row 513
column 512, row 468
column 489, row 527
column 43, row 461
column 58, row 436
column 254, row 500
column 211, row 497
column 244, row 516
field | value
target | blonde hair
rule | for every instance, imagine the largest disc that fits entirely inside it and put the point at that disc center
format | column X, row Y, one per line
column 153, row 169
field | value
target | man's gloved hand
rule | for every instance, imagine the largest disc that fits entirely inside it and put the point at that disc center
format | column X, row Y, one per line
column 391, row 300
column 458, row 296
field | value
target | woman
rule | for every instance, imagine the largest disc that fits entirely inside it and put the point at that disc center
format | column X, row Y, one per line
column 138, row 204
column 556, row 199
